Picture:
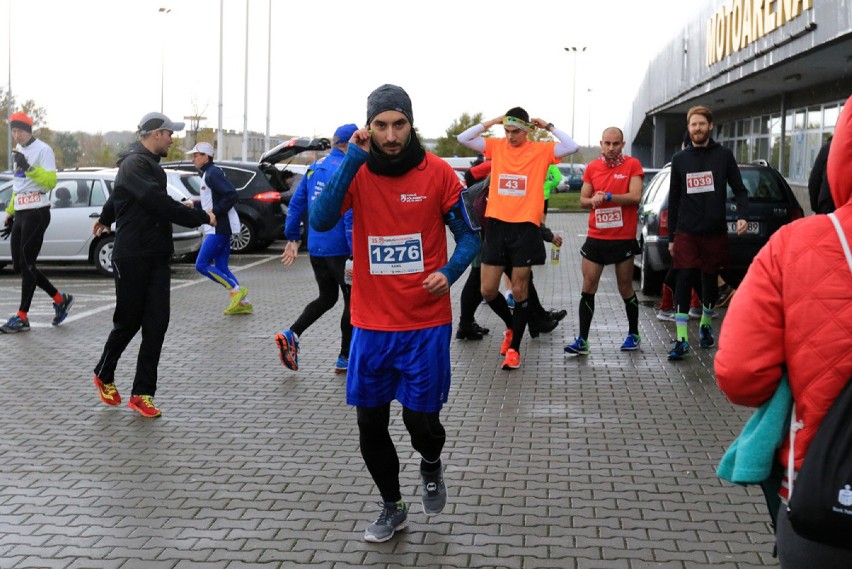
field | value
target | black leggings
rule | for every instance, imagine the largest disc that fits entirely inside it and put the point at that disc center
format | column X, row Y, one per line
column 328, row 272
column 471, row 295
column 27, row 237
column 686, row 279
column 377, row 448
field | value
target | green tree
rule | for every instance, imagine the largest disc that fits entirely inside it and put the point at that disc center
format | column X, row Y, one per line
column 448, row 145
column 176, row 150
column 67, row 149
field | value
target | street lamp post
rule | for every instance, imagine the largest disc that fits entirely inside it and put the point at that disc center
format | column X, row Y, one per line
column 163, row 64
column 574, row 50
column 589, row 123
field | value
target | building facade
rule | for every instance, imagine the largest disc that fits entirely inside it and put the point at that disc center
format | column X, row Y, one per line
column 775, row 73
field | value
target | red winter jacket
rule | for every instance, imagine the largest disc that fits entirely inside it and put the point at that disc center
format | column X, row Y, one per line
column 795, row 307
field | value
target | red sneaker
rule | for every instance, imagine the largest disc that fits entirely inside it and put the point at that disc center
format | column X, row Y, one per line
column 108, row 392
column 144, row 404
column 507, row 341
column 513, row 360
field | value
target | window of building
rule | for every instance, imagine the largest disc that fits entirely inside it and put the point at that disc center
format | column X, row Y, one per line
column 759, row 138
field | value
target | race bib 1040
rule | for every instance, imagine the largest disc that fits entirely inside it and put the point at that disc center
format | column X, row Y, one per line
column 699, row 182
column 512, row 185
column 396, row 254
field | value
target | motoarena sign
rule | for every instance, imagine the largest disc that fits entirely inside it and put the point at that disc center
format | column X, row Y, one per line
column 741, row 22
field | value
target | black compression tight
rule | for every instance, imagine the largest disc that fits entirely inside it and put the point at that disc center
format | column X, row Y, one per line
column 377, row 448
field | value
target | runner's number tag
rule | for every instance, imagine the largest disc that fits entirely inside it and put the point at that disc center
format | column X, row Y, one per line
column 699, row 182
column 396, row 254
column 512, row 185
column 608, row 217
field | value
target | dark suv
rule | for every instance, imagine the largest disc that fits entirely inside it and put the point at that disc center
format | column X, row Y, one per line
column 771, row 205
column 260, row 187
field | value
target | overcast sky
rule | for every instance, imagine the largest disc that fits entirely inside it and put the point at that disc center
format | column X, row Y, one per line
column 95, row 65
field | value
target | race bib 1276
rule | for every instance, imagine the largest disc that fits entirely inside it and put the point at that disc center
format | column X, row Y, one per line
column 396, row 254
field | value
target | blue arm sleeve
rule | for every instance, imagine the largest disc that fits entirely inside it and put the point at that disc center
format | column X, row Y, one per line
column 347, row 225
column 326, row 208
column 296, row 209
column 467, row 245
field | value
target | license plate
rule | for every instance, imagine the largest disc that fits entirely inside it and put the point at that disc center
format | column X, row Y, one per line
column 753, row 227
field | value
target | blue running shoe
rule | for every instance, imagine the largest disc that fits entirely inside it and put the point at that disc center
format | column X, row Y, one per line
column 15, row 324
column 62, row 309
column 680, row 350
column 631, row 343
column 705, row 334
column 342, row 365
column 288, row 349
column 579, row 347
column 510, row 299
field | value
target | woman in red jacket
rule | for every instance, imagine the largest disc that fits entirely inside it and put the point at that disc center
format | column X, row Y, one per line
column 794, row 308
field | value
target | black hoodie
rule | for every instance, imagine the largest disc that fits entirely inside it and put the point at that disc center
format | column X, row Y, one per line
column 698, row 168
column 141, row 208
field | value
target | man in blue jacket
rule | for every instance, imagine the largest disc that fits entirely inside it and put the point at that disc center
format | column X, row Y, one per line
column 328, row 250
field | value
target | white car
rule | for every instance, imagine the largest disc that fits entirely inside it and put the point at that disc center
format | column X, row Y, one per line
column 75, row 205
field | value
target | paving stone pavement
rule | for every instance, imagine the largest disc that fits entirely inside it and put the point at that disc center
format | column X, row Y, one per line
column 605, row 461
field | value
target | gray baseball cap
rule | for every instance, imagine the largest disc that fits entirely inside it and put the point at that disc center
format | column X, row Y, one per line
column 158, row 121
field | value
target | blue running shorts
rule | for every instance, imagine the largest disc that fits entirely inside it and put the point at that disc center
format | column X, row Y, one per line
column 412, row 367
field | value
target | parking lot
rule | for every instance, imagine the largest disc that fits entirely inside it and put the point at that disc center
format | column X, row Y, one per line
column 602, row 462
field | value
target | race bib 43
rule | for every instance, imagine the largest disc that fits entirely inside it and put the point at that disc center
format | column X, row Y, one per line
column 512, row 185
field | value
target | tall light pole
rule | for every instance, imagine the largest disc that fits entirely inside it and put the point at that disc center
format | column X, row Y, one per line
column 574, row 50
column 245, row 90
column 220, row 135
column 589, row 124
column 268, row 77
column 9, row 96
column 163, row 64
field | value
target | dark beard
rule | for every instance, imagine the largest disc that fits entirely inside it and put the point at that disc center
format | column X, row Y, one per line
column 394, row 166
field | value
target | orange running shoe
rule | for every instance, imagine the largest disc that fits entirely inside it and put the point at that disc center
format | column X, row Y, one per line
column 108, row 392
column 513, row 360
column 507, row 341
column 144, row 404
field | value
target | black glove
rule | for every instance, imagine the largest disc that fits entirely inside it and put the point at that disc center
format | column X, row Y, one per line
column 7, row 230
column 21, row 161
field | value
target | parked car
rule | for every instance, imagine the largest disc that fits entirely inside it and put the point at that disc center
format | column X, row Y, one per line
column 572, row 177
column 76, row 203
column 259, row 186
column 772, row 204
column 649, row 175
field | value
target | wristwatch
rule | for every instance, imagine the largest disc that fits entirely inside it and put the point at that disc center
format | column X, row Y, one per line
column 549, row 127
column 609, row 196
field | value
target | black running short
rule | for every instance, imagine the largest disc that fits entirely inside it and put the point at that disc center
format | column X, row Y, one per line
column 512, row 244
column 609, row 251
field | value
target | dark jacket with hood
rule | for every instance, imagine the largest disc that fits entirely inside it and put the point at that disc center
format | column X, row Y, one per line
column 141, row 208
column 694, row 211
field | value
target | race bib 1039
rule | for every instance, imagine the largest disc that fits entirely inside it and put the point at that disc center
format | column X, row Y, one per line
column 699, row 182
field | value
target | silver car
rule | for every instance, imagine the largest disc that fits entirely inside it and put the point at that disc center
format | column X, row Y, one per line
column 76, row 203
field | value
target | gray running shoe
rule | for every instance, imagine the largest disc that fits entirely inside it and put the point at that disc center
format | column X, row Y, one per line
column 434, row 496
column 392, row 519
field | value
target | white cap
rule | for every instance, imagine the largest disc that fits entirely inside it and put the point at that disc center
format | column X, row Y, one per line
column 203, row 148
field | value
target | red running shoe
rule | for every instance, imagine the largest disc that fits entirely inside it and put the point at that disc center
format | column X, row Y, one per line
column 144, row 404
column 108, row 392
